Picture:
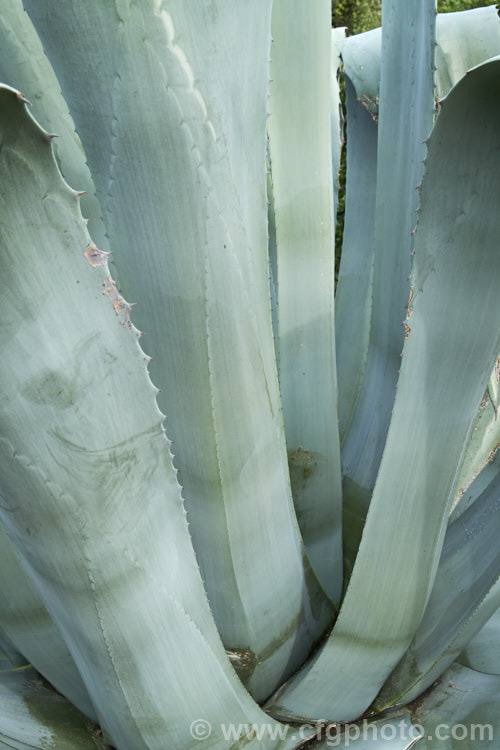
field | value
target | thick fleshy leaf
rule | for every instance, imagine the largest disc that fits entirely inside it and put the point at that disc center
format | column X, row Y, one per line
column 480, row 484
column 361, row 58
column 445, row 370
column 461, row 713
column 483, row 652
column 464, row 39
column 89, row 495
column 406, row 112
column 24, row 66
column 31, row 630
column 494, row 386
column 484, row 441
column 301, row 155
column 9, row 655
column 354, row 287
column 273, row 258
column 175, row 137
column 34, row 716
column 394, row 732
column 465, row 593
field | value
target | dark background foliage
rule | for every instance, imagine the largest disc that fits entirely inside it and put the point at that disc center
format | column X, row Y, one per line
column 361, row 15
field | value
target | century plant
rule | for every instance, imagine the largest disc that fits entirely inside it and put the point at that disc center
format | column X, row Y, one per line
column 296, row 527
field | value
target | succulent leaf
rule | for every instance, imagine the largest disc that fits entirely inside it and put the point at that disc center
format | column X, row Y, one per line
column 24, row 66
column 34, row 716
column 394, row 572
column 391, row 733
column 483, row 652
column 299, row 124
column 9, row 655
column 484, row 440
column 30, row 629
column 354, row 287
column 462, row 711
column 463, row 40
column 465, row 593
column 406, row 112
column 87, row 472
column 182, row 183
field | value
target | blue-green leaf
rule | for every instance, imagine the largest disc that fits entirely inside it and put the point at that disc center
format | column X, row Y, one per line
column 89, row 496
column 439, row 391
column 182, row 184
column 34, row 716
column 405, row 119
column 30, row 629
column 354, row 287
column 461, row 712
column 483, row 652
column 301, row 156
column 24, row 66
column 465, row 593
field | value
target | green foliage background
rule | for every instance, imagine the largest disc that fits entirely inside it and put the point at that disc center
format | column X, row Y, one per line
column 362, row 15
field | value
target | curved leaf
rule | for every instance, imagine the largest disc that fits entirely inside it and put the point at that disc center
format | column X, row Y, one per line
column 394, row 732
column 405, row 119
column 9, row 655
column 463, row 39
column 34, row 716
column 465, row 592
column 438, row 395
column 354, row 287
column 181, row 180
column 89, row 495
column 483, row 444
column 361, row 57
column 24, row 66
column 462, row 711
column 30, row 629
column 485, row 478
column 300, row 126
column 483, row 652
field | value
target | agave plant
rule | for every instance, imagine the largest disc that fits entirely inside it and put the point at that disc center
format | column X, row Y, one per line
column 298, row 533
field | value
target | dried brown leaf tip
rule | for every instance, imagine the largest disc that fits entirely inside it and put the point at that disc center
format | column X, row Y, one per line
column 95, row 256
column 122, row 308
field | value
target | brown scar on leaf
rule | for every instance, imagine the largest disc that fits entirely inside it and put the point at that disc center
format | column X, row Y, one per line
column 409, row 306
column 242, row 659
column 371, row 104
column 122, row 308
column 407, row 330
column 95, row 256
